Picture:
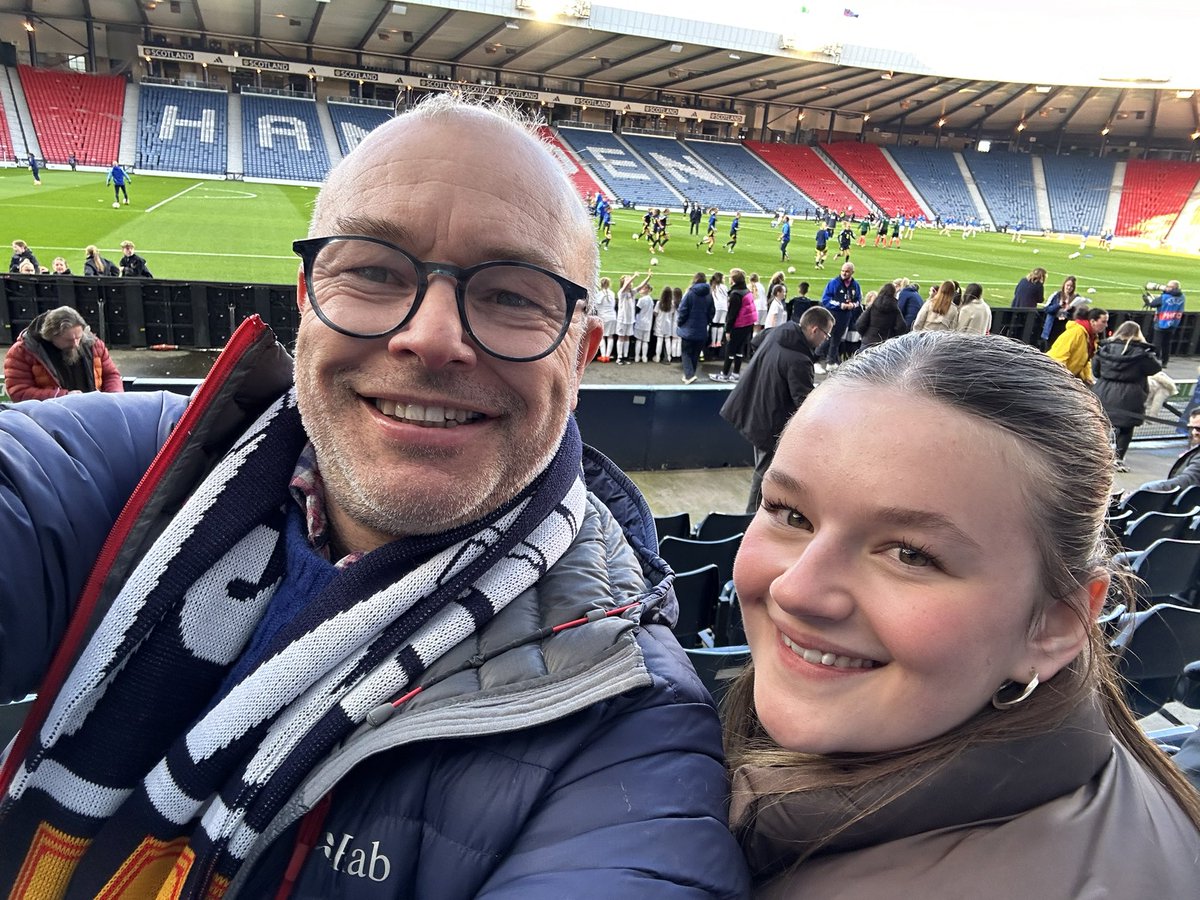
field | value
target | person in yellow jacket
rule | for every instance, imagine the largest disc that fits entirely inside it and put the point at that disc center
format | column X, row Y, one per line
column 1076, row 346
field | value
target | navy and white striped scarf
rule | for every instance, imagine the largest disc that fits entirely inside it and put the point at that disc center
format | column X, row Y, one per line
column 161, row 759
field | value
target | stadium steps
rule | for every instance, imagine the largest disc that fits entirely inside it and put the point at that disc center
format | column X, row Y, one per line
column 938, row 178
column 235, row 164
column 1154, row 193
column 586, row 186
column 907, row 182
column 803, row 168
column 1041, row 195
column 1114, row 198
column 127, row 148
column 329, row 134
column 24, row 138
column 1185, row 233
column 864, row 200
column 976, row 195
column 8, row 117
column 75, row 112
column 871, row 170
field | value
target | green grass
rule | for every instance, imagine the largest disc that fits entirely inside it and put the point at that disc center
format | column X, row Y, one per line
column 990, row 259
column 233, row 231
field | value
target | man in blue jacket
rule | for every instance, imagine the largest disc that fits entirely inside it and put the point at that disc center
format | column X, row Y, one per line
column 1168, row 315
column 386, row 631
column 843, row 298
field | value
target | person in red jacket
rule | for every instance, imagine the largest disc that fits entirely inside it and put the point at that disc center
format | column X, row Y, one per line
column 56, row 355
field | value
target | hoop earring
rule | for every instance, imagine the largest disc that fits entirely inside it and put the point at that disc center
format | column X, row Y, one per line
column 1021, row 698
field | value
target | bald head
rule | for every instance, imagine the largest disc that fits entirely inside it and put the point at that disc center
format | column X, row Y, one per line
column 499, row 144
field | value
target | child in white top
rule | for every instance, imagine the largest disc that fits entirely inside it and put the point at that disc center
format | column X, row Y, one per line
column 643, row 321
column 626, row 315
column 664, row 325
column 777, row 309
column 760, row 301
column 606, row 309
column 720, row 296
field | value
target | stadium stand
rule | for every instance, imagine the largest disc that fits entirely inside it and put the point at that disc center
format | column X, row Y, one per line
column 866, row 164
column 354, row 121
column 803, row 168
column 585, row 185
column 677, row 166
column 75, row 112
column 281, row 138
column 182, row 129
column 758, row 181
column 6, row 147
column 936, row 176
column 1077, row 187
column 622, row 174
column 1153, row 195
column 1006, row 182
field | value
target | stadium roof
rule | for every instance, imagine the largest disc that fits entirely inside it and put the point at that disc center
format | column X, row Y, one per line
column 791, row 57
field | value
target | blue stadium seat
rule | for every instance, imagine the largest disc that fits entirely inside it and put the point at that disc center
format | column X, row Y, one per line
column 1006, row 182
column 182, row 129
column 935, row 174
column 622, row 174
column 1078, row 188
column 281, row 138
column 751, row 175
column 679, row 166
column 353, row 122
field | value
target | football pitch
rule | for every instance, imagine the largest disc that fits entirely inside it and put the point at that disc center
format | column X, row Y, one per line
column 234, row 231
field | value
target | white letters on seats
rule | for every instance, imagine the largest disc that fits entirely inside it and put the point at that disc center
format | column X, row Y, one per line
column 614, row 166
column 353, row 134
column 206, row 124
column 270, row 126
column 680, row 169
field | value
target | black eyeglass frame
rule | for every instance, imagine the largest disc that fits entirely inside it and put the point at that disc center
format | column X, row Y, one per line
column 308, row 248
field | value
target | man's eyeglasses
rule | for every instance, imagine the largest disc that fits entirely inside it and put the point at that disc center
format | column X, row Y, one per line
column 366, row 287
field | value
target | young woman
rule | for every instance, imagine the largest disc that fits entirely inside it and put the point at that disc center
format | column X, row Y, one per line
column 974, row 314
column 740, row 318
column 938, row 313
column 1058, row 310
column 882, row 319
column 1121, row 366
column 932, row 710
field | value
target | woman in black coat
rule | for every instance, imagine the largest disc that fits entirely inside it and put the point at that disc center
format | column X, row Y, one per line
column 1121, row 366
column 882, row 319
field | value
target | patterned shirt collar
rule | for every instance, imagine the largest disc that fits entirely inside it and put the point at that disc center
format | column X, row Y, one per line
column 308, row 490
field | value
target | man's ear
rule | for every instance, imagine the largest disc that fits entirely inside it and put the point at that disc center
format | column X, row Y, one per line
column 301, row 291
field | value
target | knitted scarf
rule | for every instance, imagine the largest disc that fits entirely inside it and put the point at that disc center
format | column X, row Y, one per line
column 166, row 753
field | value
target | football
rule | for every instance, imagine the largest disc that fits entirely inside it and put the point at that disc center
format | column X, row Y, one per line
column 1036, row 250
column 654, row 260
column 116, row 205
column 791, row 270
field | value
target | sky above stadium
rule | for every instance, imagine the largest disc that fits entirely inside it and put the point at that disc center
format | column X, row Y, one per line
column 1056, row 41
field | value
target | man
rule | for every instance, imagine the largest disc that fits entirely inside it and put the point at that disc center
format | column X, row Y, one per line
column 773, row 385
column 35, row 169
column 1076, row 346
column 785, row 238
column 74, row 162
column 58, row 355
column 1168, row 315
column 132, row 265
column 843, row 298
column 1186, row 470
column 119, row 179
column 375, row 637
column 694, row 217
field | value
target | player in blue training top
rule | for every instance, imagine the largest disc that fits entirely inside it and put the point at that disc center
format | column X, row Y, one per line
column 785, row 238
column 822, row 240
column 734, row 224
column 119, row 178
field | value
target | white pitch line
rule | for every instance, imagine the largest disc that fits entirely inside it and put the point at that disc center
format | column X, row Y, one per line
column 174, row 197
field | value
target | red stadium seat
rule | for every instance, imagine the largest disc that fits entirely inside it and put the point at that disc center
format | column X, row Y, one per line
column 803, row 168
column 871, row 170
column 585, row 185
column 75, row 112
column 1153, row 195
